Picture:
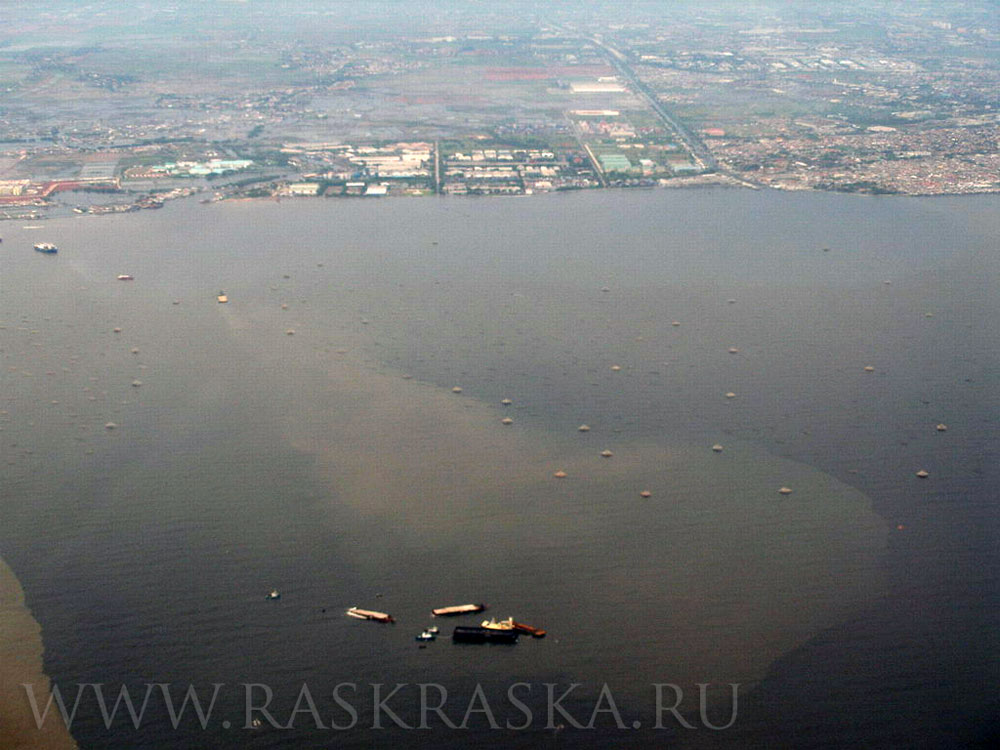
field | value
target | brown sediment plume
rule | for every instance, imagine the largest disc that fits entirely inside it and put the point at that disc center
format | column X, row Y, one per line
column 20, row 664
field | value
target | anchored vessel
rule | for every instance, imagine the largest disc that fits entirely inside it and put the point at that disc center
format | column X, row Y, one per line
column 511, row 624
column 458, row 609
column 367, row 614
column 463, row 634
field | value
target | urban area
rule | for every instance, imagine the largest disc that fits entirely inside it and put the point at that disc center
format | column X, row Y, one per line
column 115, row 112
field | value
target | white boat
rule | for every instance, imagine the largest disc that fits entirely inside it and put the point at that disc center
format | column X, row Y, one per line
column 274, row 594
column 494, row 624
column 126, row 277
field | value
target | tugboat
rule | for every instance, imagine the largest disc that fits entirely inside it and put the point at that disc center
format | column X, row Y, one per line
column 46, row 247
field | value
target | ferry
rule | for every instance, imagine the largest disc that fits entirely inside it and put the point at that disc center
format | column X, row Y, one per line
column 367, row 614
column 458, row 609
column 46, row 247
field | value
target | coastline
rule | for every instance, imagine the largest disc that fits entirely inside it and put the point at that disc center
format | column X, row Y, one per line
column 21, row 650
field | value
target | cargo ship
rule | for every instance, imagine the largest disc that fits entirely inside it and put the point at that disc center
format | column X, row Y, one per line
column 458, row 609
column 367, row 614
column 511, row 624
column 463, row 634
column 46, row 247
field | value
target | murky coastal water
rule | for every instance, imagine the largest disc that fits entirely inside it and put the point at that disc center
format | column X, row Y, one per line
column 335, row 463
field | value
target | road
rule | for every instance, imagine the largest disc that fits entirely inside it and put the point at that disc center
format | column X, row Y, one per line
column 699, row 152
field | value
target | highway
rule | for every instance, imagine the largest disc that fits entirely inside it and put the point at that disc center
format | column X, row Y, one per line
column 699, row 152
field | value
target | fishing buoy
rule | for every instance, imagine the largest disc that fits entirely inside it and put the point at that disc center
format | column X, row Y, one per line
column 560, row 474
column 785, row 491
column 605, row 289
column 717, row 448
column 645, row 493
column 136, row 383
column 583, row 428
column 675, row 323
column 869, row 368
column 731, row 301
column 290, row 332
column 942, row 427
column 117, row 330
column 733, row 350
column 284, row 306
column 506, row 402
column 923, row 474
column 506, row 420
column 135, row 351
column 110, row 426
column 607, row 453
column 615, row 368
column 456, row 389
column 730, row 395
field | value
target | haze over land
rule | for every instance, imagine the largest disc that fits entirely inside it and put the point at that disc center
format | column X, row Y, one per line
column 280, row 98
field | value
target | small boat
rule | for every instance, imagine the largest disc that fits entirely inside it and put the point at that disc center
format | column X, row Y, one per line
column 46, row 247
column 494, row 624
column 367, row 614
column 433, row 630
column 274, row 594
column 126, row 277
column 222, row 298
column 458, row 609
column 426, row 636
column 483, row 635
